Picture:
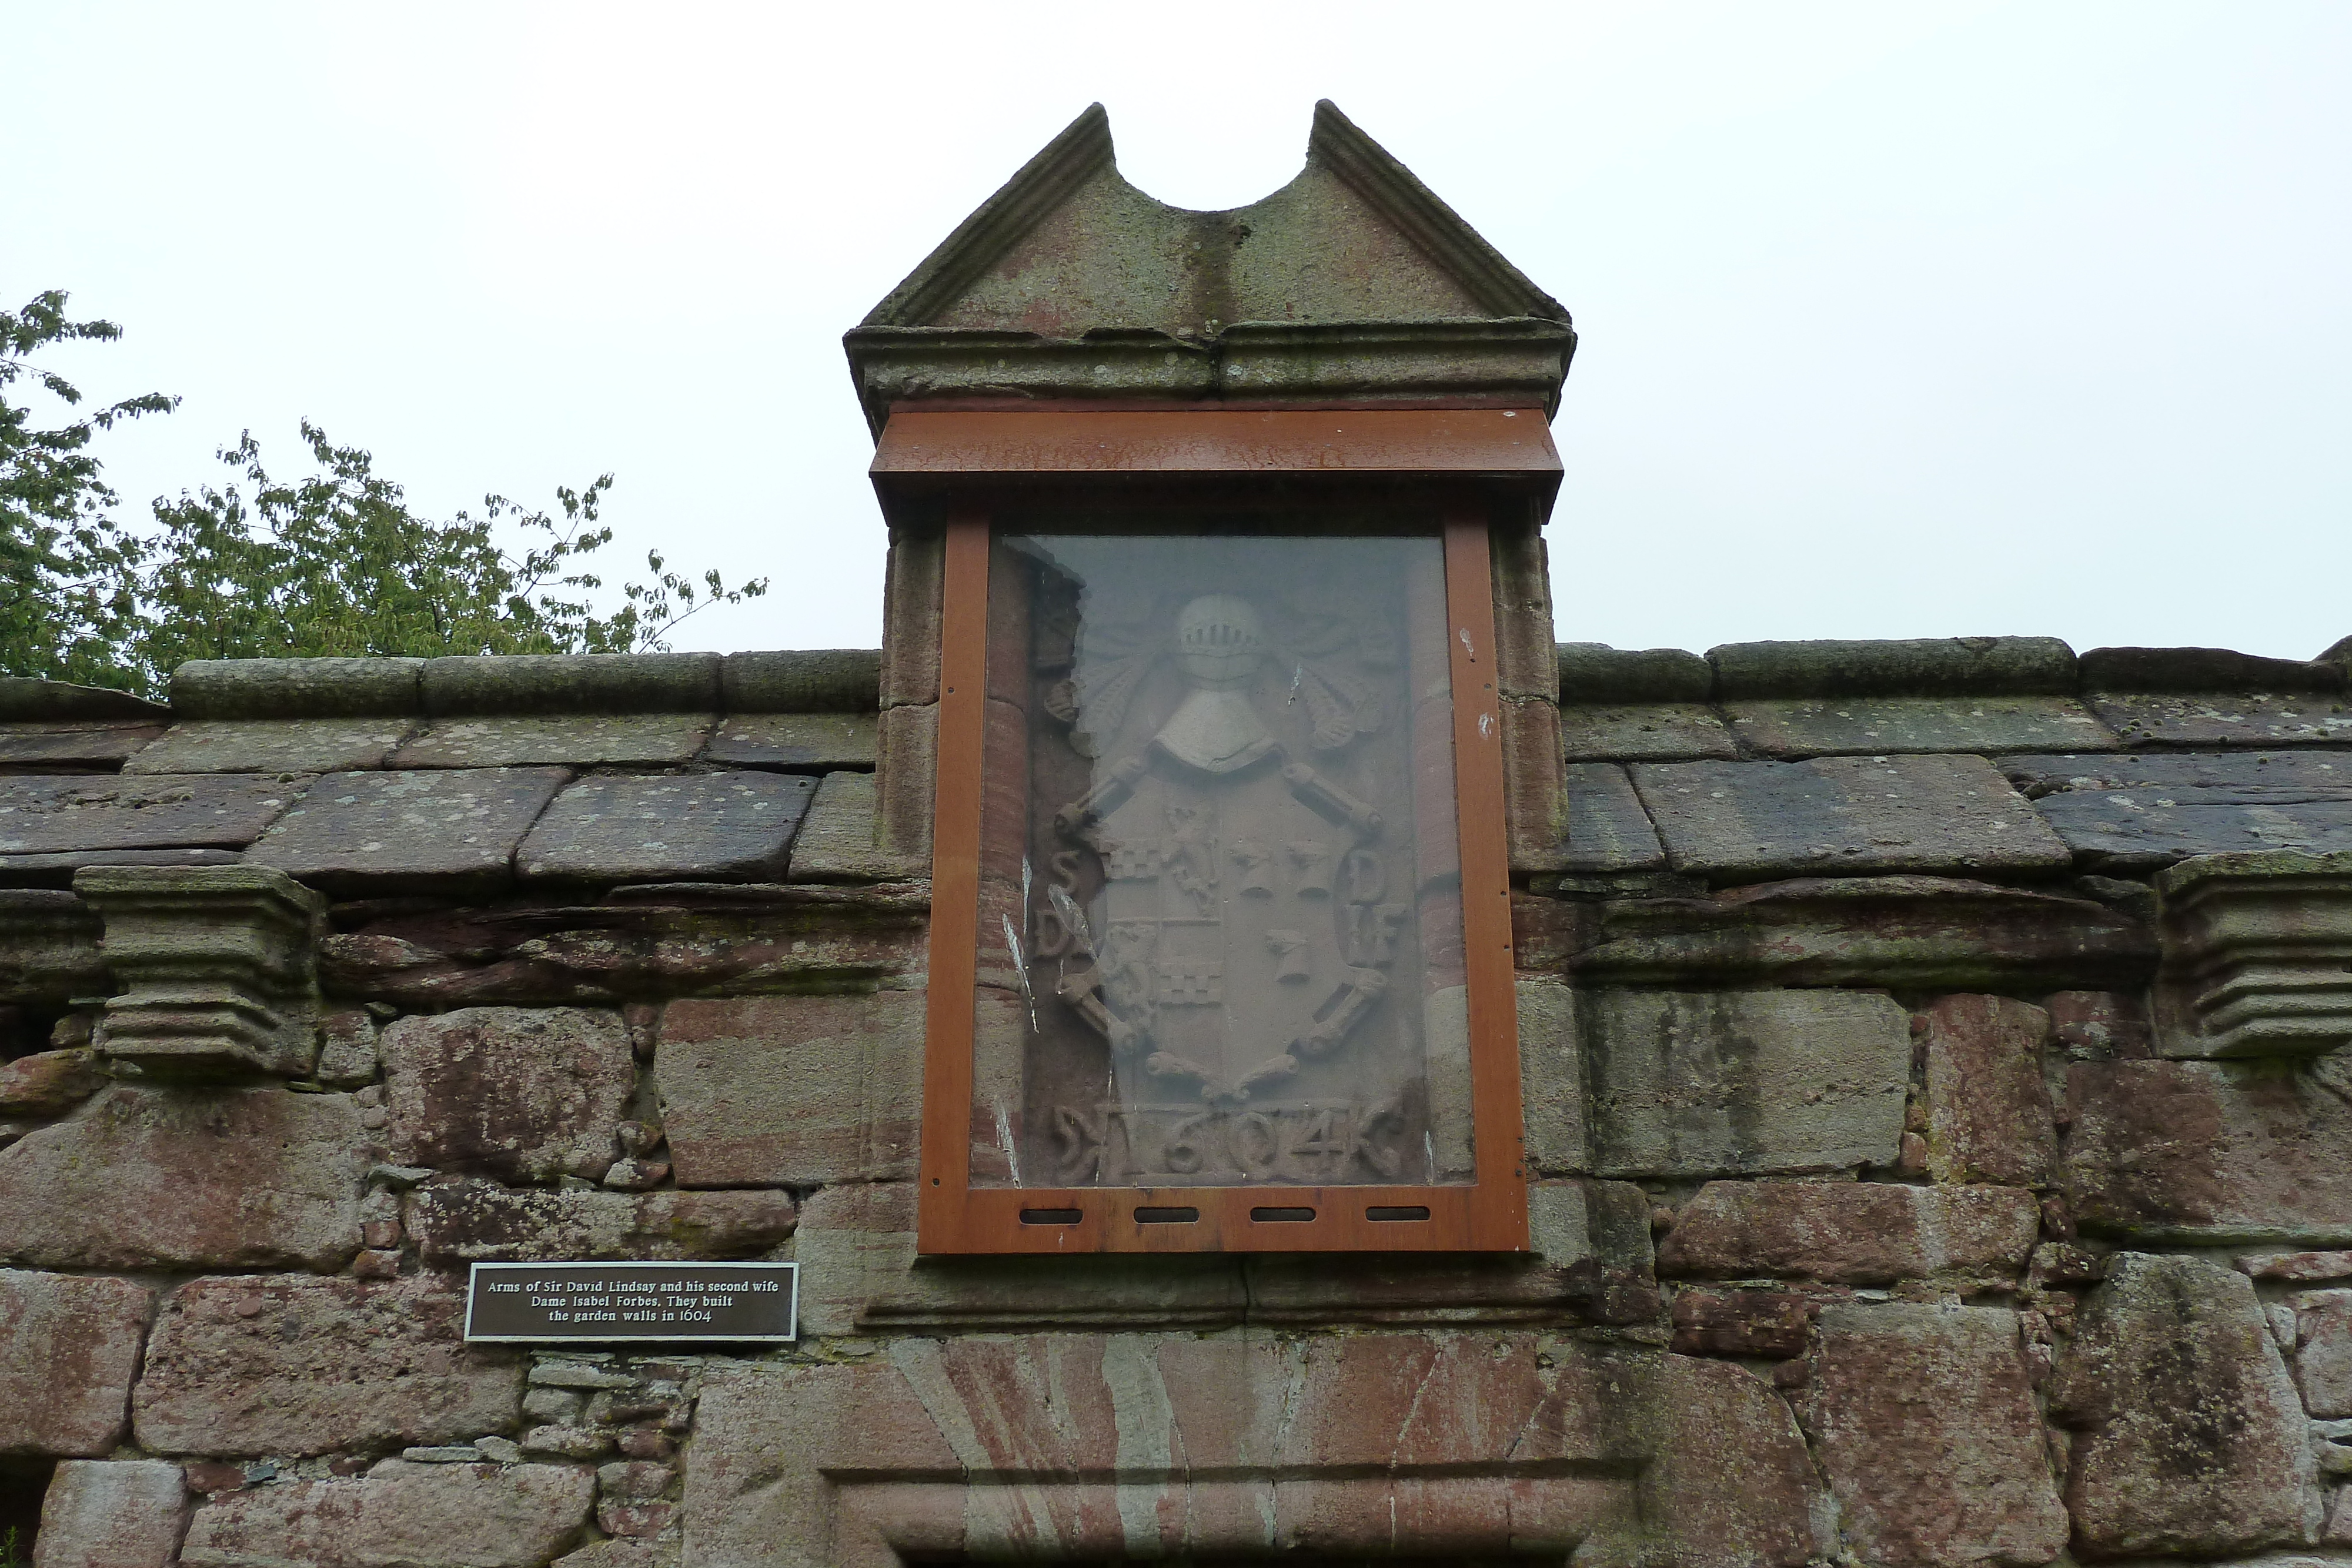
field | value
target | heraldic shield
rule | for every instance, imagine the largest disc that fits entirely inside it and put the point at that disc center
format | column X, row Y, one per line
column 1235, row 943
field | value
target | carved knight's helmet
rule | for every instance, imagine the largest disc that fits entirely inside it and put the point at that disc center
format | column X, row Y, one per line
column 1220, row 644
column 1219, row 640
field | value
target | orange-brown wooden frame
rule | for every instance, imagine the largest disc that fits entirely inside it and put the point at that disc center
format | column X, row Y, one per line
column 1489, row 1215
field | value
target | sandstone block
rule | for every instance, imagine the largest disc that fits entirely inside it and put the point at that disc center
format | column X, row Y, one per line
column 47, row 815
column 1777, row 1324
column 2259, row 1150
column 1597, row 672
column 702, row 827
column 524, row 1094
column 1988, row 1114
column 2142, row 810
column 1740, row 1082
column 2191, row 1439
column 905, row 779
column 113, row 1514
column 2323, row 1356
column 1938, row 666
column 1926, row 1426
column 572, row 684
column 398, row 1515
column 802, row 680
column 1607, row 829
column 72, row 748
column 795, row 742
column 260, row 1364
column 47, row 1082
column 347, row 1057
column 391, row 832
column 193, row 1179
column 1551, row 1074
column 1642, row 732
column 837, row 843
column 68, row 1347
column 295, row 688
column 580, row 740
column 776, row 1091
column 272, row 746
column 1820, row 726
column 2243, row 718
column 464, row 1219
column 1853, row 1233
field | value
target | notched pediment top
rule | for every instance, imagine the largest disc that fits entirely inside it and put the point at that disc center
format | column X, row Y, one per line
column 1352, row 281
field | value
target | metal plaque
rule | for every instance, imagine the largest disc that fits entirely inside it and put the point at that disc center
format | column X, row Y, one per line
column 541, row 1303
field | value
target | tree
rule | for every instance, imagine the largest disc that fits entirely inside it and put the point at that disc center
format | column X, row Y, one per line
column 336, row 563
column 68, row 574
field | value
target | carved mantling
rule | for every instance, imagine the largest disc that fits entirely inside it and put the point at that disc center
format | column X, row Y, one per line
column 2257, row 955
column 214, row 969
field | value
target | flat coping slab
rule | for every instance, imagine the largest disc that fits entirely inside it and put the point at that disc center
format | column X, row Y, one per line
column 410, row 831
column 47, row 814
column 733, row 826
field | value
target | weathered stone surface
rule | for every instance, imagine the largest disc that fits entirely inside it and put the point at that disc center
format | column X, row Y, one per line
column 347, row 1049
column 2238, row 719
column 1853, row 1233
column 1728, row 820
column 572, row 684
column 272, row 746
column 1641, row 732
column 30, row 698
column 188, row 1178
column 2210, row 1151
column 1607, row 829
column 2190, row 1438
column 398, row 1515
column 68, row 1347
column 905, row 778
column 1597, row 672
column 2284, row 776
column 1911, row 932
column 1988, row 1113
column 119, row 1514
column 2323, row 1351
column 273, row 1364
column 646, row 941
column 1551, row 1078
column 2299, row 1267
column 1919, row 667
column 523, row 1094
column 1747, row 1321
column 622, row 1554
column 2142, row 810
column 836, row 840
column 58, row 870
column 609, row 739
column 47, row 1082
column 464, row 1219
column 1926, row 1426
column 800, row 742
column 1845, row 726
column 295, row 688
column 2207, row 670
column 388, row 832
column 72, row 748
column 1743, row 1083
column 792, row 1090
column 42, row 815
column 1087, row 1448
column 802, row 680
column 717, row 826
column 2257, row 955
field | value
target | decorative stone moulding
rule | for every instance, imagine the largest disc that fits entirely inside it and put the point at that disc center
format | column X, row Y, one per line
column 213, row 968
column 2257, row 955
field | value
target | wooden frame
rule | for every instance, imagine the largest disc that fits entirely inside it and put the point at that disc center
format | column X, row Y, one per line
column 1488, row 1214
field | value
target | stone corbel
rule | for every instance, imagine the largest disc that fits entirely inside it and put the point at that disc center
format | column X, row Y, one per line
column 215, row 969
column 2257, row 955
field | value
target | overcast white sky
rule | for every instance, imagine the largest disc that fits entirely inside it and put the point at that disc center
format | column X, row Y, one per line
column 1897, row 320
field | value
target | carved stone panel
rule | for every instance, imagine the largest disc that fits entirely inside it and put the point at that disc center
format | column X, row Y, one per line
column 1227, row 897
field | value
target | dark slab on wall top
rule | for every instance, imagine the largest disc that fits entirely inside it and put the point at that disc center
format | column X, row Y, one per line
column 1834, row 815
column 44, row 815
column 451, row 831
column 2141, row 811
column 703, row 826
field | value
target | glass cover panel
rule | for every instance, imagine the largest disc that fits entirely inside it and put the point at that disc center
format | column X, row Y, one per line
column 1221, row 914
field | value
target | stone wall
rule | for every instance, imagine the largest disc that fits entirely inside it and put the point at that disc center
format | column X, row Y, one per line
column 1920, row 1177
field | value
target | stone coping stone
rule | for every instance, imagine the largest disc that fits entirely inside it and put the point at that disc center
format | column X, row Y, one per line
column 2160, row 718
column 1640, row 731
column 572, row 684
column 794, row 742
column 2267, row 863
column 47, row 814
column 1607, row 829
column 68, row 1349
column 399, row 1514
column 583, row 740
column 75, row 745
column 836, row 840
column 1829, row 816
column 26, row 697
column 58, row 870
column 714, row 827
column 272, row 746
column 1597, row 672
column 113, row 1513
column 1923, row 667
column 451, row 831
column 2204, row 670
column 1830, row 727
column 821, row 679
column 296, row 688
column 2136, row 811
